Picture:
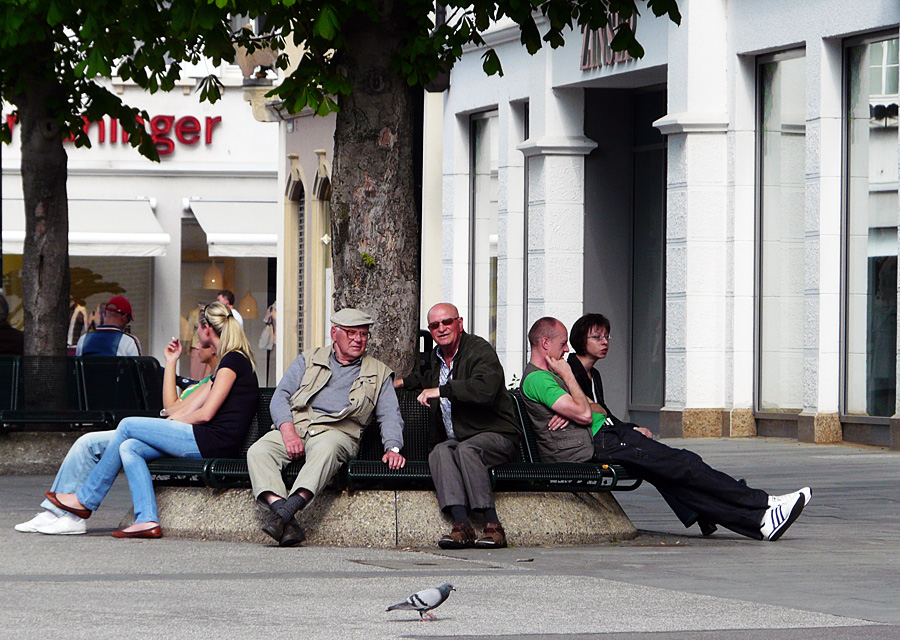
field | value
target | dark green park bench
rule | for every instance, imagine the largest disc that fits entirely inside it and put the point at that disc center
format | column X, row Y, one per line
column 533, row 475
column 233, row 472
column 367, row 471
column 217, row 472
column 526, row 473
column 77, row 392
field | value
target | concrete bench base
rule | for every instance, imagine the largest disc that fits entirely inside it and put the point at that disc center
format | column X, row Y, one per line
column 34, row 452
column 393, row 519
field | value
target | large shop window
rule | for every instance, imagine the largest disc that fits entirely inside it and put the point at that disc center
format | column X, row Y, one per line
column 484, row 227
column 782, row 174
column 871, row 222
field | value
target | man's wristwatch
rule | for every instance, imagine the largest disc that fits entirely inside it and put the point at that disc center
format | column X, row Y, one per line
column 392, row 449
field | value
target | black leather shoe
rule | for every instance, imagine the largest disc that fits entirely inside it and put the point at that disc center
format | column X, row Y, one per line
column 274, row 527
column 707, row 528
column 293, row 535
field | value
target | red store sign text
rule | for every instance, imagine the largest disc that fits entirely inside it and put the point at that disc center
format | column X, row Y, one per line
column 187, row 130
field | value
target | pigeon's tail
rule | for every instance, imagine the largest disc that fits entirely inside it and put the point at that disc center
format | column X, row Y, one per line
column 400, row 605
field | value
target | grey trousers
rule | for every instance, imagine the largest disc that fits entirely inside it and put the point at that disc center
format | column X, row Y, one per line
column 325, row 453
column 460, row 469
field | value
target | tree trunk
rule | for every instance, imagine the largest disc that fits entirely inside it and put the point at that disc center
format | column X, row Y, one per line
column 45, row 263
column 374, row 218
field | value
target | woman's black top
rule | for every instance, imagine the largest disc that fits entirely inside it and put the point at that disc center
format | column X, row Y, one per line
column 223, row 436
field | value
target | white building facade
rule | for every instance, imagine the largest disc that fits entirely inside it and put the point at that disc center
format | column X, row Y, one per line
column 729, row 201
column 167, row 235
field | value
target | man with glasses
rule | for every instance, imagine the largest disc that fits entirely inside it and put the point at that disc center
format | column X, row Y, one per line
column 320, row 408
column 571, row 428
column 473, row 426
column 110, row 339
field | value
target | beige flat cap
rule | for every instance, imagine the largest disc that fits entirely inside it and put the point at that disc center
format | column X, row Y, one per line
column 350, row 317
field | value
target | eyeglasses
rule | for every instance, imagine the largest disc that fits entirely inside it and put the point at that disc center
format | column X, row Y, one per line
column 356, row 334
column 446, row 322
column 601, row 338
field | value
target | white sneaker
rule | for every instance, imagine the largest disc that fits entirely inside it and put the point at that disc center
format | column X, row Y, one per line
column 789, row 498
column 67, row 525
column 777, row 519
column 42, row 519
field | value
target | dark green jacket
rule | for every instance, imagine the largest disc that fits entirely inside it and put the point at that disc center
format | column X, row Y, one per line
column 477, row 391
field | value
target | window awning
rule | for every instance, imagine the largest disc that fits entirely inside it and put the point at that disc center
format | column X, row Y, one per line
column 96, row 228
column 239, row 229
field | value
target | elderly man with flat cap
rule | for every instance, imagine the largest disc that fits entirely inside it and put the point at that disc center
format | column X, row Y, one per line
column 320, row 408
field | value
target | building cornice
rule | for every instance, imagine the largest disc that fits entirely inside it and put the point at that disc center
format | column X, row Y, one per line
column 692, row 122
column 503, row 32
column 557, row 146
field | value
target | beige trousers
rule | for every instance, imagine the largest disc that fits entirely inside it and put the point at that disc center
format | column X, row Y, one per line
column 325, row 453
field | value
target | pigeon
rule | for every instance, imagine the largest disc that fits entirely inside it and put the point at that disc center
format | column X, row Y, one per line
column 426, row 600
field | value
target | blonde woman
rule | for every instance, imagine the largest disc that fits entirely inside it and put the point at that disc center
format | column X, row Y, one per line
column 210, row 425
column 84, row 455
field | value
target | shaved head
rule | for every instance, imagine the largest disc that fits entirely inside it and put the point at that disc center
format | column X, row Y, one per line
column 446, row 327
column 444, row 308
column 546, row 327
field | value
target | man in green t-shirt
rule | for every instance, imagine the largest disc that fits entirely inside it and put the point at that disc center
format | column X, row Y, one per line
column 570, row 428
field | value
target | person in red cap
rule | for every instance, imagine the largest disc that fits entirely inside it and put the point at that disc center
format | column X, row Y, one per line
column 110, row 339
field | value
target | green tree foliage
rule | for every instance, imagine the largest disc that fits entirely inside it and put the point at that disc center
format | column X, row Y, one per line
column 71, row 44
column 147, row 41
column 53, row 52
column 324, row 28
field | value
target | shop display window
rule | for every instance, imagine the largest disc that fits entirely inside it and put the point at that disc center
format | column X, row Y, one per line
column 781, row 143
column 871, row 217
column 93, row 281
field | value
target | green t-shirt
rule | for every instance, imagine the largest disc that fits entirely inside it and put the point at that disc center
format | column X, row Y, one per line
column 544, row 387
column 191, row 389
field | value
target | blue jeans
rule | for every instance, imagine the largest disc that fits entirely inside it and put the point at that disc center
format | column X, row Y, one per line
column 81, row 459
column 135, row 442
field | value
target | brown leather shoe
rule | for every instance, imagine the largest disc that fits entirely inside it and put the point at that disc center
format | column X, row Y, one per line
column 494, row 537
column 152, row 532
column 462, row 536
column 81, row 513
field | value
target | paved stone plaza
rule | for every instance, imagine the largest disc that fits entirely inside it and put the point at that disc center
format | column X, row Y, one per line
column 833, row 575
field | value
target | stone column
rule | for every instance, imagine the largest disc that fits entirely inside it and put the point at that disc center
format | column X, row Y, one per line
column 819, row 421
column 698, row 269
column 511, row 254
column 455, row 215
column 555, row 208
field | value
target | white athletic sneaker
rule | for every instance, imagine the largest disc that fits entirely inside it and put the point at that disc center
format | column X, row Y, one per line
column 67, row 525
column 789, row 498
column 40, row 520
column 777, row 519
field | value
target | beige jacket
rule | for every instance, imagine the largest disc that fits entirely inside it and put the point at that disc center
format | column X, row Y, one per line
column 363, row 396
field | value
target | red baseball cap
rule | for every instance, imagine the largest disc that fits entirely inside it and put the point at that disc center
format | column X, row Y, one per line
column 121, row 305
